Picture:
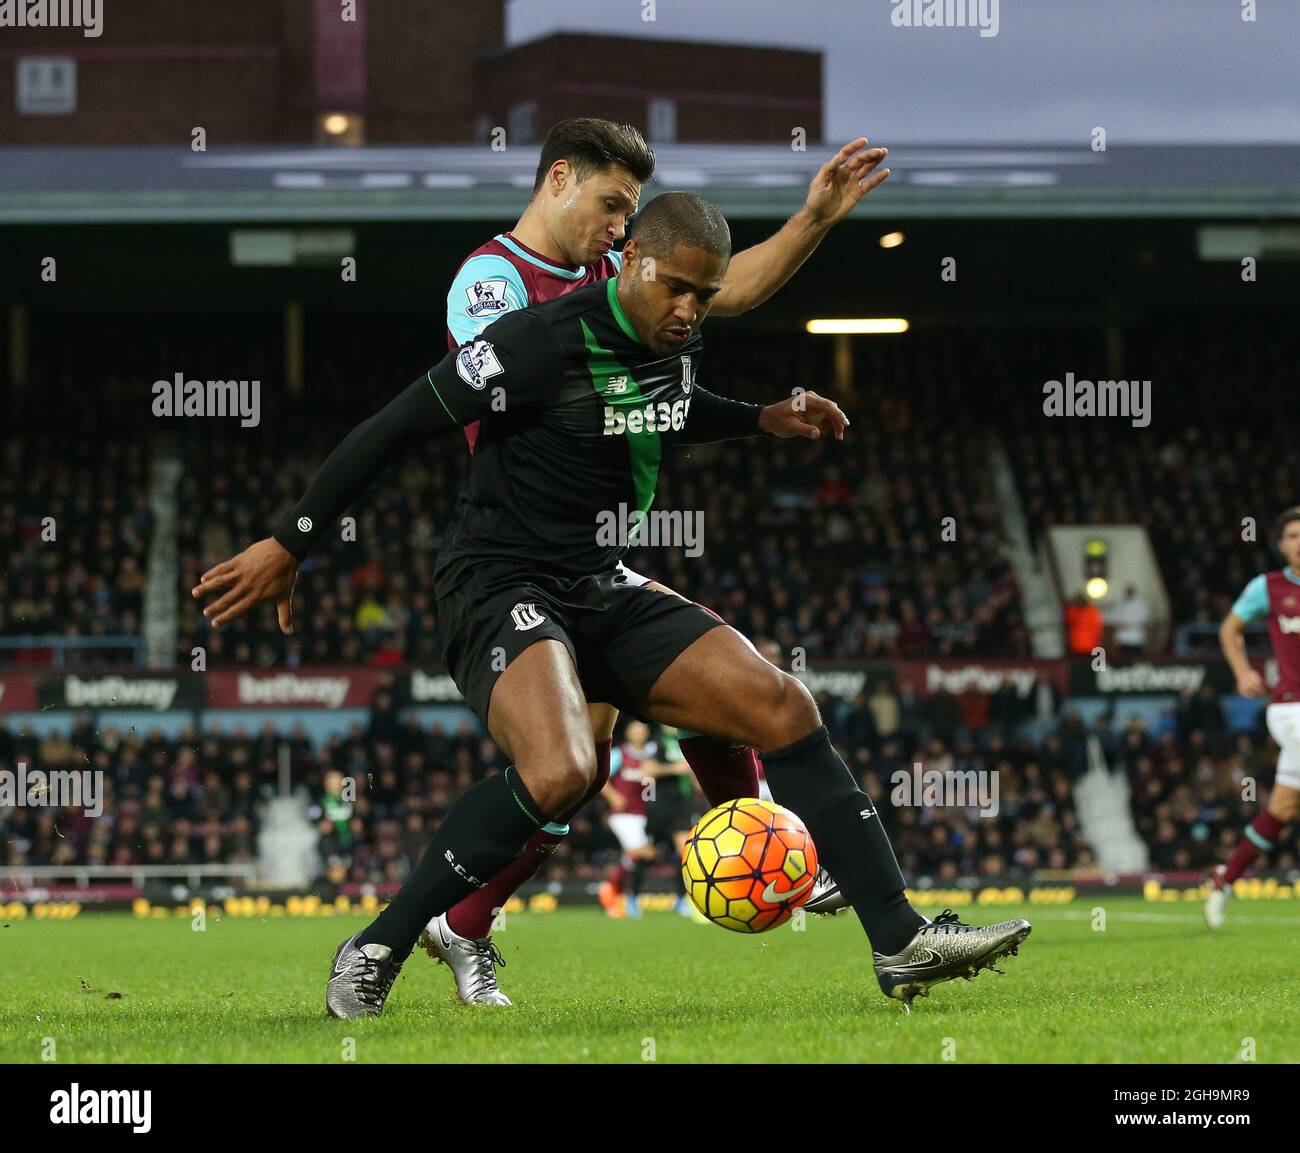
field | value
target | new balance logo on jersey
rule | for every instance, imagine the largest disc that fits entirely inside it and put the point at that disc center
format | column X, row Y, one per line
column 1288, row 624
column 867, row 814
column 486, row 298
column 526, row 617
column 616, row 386
column 659, row 417
column 477, row 362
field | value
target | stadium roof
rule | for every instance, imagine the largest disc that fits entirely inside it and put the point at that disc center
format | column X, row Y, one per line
column 68, row 185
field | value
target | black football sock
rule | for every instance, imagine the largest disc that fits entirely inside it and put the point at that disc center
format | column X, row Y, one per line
column 484, row 831
column 809, row 778
column 638, row 876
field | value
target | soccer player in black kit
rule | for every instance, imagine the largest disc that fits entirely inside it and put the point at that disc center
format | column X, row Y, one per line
column 579, row 400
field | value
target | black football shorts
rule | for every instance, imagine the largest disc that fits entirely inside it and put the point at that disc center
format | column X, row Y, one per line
column 620, row 634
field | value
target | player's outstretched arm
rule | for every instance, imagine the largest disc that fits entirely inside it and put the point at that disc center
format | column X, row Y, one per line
column 840, row 184
column 518, row 354
column 713, row 418
column 267, row 570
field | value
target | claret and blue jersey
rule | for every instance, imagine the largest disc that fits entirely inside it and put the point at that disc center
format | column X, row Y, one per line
column 504, row 274
column 1275, row 597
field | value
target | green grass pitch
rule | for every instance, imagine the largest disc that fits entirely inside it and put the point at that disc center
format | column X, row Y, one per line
column 1155, row 985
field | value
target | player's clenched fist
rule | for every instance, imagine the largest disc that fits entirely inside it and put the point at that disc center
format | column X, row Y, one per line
column 264, row 571
column 804, row 414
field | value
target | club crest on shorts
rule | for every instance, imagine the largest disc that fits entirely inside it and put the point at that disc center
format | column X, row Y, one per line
column 526, row 617
column 477, row 362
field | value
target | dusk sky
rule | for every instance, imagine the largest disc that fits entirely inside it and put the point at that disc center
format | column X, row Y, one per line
column 1146, row 70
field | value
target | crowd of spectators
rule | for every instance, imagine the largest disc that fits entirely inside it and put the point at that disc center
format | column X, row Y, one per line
column 75, row 527
column 1196, row 784
column 377, row 792
column 1206, row 476
column 888, row 544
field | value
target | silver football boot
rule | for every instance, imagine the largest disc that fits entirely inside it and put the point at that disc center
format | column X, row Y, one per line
column 944, row 949
column 360, row 980
column 473, row 963
column 825, row 897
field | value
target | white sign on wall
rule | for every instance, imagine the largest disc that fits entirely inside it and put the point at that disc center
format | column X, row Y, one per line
column 47, row 85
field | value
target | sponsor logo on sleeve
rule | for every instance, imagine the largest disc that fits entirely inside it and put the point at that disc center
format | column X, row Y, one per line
column 486, row 298
column 477, row 363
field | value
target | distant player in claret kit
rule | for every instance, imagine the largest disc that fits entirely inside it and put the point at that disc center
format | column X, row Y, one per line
column 587, row 186
column 675, row 805
column 542, row 617
column 1275, row 597
column 626, row 794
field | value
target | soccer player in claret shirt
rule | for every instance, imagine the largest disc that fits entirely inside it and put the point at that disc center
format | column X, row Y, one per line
column 1275, row 597
column 588, row 183
column 638, row 763
column 579, row 399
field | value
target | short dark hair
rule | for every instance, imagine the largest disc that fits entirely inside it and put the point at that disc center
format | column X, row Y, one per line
column 590, row 145
column 674, row 218
column 1285, row 518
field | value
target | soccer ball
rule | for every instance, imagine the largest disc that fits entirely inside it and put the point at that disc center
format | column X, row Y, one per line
column 748, row 864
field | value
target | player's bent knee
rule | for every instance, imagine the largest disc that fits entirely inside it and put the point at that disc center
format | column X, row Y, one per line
column 559, row 778
column 799, row 711
column 577, row 775
column 786, row 713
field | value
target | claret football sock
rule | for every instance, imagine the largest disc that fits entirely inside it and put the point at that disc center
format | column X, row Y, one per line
column 725, row 772
column 482, row 833
column 809, row 778
column 1260, row 836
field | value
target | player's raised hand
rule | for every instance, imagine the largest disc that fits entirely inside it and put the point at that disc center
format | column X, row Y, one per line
column 805, row 414
column 264, row 571
column 844, row 180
